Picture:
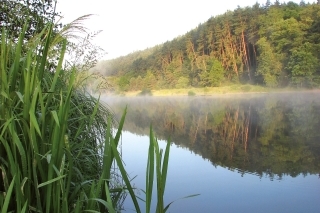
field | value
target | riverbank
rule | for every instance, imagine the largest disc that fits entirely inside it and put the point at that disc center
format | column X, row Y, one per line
column 209, row 91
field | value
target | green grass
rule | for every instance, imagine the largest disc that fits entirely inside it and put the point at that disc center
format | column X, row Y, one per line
column 208, row 91
column 51, row 135
column 57, row 150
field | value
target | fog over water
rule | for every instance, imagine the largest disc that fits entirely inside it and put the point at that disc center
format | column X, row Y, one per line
column 242, row 153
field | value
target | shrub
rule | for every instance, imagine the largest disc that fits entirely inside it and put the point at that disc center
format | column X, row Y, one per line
column 145, row 92
column 191, row 93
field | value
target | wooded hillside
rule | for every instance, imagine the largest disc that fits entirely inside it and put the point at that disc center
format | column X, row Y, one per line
column 275, row 45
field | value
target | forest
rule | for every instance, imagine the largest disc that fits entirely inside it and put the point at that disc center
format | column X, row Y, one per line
column 274, row 45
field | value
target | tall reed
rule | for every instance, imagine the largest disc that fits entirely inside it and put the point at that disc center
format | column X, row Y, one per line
column 51, row 136
column 57, row 150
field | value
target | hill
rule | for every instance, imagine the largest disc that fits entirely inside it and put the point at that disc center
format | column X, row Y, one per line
column 275, row 45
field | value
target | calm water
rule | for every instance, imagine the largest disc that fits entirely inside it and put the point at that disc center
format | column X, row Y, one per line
column 258, row 153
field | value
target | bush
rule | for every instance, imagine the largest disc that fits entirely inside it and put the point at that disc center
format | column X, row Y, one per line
column 145, row 92
column 191, row 93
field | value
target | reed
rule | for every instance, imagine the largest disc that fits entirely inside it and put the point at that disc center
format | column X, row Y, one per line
column 58, row 153
column 51, row 136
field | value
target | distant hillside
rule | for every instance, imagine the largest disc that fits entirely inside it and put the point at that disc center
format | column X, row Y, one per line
column 274, row 45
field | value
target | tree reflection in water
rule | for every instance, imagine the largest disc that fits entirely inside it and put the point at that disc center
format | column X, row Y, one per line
column 268, row 135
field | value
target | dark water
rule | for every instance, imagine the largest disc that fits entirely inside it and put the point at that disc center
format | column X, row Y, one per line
column 242, row 153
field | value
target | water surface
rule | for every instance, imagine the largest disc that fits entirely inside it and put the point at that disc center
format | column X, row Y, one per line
column 258, row 153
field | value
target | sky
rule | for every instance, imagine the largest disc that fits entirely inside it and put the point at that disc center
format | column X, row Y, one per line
column 131, row 25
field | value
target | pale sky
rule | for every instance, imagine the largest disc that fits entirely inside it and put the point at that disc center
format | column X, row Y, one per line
column 131, row 25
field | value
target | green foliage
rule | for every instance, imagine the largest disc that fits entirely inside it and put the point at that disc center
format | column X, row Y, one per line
column 145, row 92
column 135, row 83
column 13, row 15
column 57, row 147
column 150, row 81
column 247, row 45
column 291, row 10
column 123, row 83
column 303, row 65
column 182, row 82
column 52, row 136
column 269, row 65
column 287, row 35
column 216, row 74
column 191, row 93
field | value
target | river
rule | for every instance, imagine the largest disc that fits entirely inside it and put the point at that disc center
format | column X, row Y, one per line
column 241, row 153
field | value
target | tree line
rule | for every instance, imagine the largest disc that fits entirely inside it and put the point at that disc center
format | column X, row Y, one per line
column 275, row 45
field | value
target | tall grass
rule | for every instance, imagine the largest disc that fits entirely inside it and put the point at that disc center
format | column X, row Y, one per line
column 57, row 149
column 51, row 136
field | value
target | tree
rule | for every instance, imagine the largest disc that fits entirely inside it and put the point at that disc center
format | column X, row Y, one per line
column 248, row 42
column 303, row 65
column 182, row 82
column 150, row 81
column 214, row 76
column 287, row 35
column 291, row 10
column 123, row 83
column 302, row 3
column 269, row 65
column 14, row 14
column 140, row 83
column 268, row 4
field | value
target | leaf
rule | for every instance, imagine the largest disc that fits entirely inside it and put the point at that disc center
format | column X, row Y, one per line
column 55, row 117
column 34, row 122
column 8, row 196
column 150, row 172
column 51, row 181
column 23, row 182
column 20, row 96
column 165, row 165
column 4, row 94
column 24, row 209
column 167, row 207
column 106, row 204
column 124, row 174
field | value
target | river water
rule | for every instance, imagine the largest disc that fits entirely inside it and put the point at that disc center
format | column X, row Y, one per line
column 241, row 153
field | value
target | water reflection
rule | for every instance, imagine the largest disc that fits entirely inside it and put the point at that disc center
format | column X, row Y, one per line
column 266, row 135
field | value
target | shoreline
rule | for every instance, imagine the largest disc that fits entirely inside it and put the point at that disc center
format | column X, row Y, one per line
column 209, row 92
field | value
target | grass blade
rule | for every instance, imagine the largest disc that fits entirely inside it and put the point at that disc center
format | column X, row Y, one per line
column 165, row 165
column 120, row 164
column 150, row 172
column 167, row 207
column 106, row 204
column 8, row 196
column 51, row 181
